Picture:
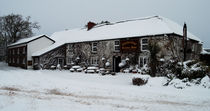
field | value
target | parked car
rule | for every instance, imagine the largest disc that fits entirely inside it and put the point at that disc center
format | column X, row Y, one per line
column 92, row 70
column 76, row 68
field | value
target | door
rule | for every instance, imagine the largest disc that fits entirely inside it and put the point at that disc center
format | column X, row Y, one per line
column 116, row 61
column 61, row 61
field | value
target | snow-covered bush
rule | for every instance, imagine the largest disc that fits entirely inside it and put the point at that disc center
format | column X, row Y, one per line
column 166, row 67
column 192, row 70
column 58, row 66
column 184, row 83
column 205, row 82
column 144, row 69
column 107, row 64
column 140, row 80
column 122, row 63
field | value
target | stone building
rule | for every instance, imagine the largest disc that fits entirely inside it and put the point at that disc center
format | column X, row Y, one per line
column 114, row 42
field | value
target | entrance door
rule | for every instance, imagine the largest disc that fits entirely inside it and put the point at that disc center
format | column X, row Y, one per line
column 61, row 61
column 116, row 61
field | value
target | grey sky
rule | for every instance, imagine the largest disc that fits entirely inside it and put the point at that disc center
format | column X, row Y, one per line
column 57, row 15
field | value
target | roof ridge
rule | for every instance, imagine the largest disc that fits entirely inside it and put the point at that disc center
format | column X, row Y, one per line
column 143, row 18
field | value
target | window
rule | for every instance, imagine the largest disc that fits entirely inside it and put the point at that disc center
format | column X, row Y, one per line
column 143, row 60
column 94, row 60
column 70, row 60
column 18, row 60
column 24, row 50
column 117, row 46
column 144, row 44
column 18, row 51
column 36, row 60
column 13, row 52
column 193, row 47
column 10, row 60
column 94, row 47
column 1, row 52
column 24, row 61
column 13, row 60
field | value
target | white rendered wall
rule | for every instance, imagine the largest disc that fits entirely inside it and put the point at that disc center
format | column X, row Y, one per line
column 37, row 45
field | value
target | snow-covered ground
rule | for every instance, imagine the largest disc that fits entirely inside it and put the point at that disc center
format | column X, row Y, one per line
column 46, row 90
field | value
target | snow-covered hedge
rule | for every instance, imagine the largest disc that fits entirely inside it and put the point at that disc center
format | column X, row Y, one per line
column 184, row 83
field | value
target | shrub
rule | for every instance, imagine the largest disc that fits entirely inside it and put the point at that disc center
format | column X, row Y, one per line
column 154, row 49
column 139, row 81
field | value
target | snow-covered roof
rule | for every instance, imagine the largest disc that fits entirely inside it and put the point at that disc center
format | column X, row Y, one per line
column 147, row 26
column 204, row 51
column 26, row 40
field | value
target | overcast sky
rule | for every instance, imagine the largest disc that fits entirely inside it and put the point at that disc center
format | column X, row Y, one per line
column 57, row 15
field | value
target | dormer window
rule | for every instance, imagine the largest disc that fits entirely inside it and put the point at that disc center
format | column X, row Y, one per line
column 94, row 47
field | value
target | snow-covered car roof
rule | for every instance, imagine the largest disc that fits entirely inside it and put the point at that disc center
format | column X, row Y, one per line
column 147, row 26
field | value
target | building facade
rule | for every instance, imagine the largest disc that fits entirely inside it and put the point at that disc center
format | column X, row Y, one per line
column 96, row 53
column 128, row 40
column 20, row 53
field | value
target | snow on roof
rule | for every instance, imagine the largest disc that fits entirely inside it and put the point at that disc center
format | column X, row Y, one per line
column 26, row 40
column 204, row 51
column 129, row 28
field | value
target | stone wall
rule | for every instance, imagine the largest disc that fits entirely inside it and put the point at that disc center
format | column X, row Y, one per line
column 80, row 53
column 51, row 58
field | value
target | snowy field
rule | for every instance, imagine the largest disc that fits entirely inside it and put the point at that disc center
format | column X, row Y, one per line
column 46, row 90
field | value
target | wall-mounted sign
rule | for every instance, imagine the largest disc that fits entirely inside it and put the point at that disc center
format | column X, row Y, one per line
column 129, row 45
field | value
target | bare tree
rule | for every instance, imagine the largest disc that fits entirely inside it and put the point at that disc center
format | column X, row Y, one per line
column 14, row 27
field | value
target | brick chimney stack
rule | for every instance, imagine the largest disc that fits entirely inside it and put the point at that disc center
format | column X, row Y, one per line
column 90, row 25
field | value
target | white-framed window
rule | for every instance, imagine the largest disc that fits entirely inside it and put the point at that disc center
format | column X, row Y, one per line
column 24, row 61
column 143, row 60
column 94, row 46
column 24, row 50
column 13, row 51
column 10, row 60
column 144, row 44
column 18, row 61
column 117, row 46
column 13, row 60
column 70, row 60
column 94, row 60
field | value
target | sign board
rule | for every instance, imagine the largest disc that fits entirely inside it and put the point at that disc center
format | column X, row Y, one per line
column 129, row 45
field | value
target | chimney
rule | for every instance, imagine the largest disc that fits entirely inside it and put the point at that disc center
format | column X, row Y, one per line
column 184, row 41
column 90, row 25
